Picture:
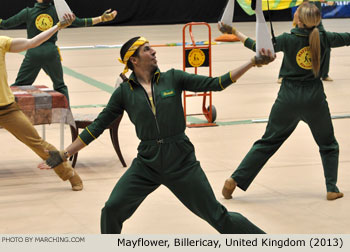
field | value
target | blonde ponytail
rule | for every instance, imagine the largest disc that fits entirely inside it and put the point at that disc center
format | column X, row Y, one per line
column 315, row 49
column 310, row 16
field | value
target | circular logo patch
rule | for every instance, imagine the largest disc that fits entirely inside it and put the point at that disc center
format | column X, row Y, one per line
column 304, row 58
column 196, row 57
column 43, row 22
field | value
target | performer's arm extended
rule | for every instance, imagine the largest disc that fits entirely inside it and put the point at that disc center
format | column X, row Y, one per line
column 22, row 44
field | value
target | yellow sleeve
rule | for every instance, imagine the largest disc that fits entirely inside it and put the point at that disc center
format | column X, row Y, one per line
column 5, row 43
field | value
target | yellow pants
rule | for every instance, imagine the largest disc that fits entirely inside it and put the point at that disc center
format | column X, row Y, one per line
column 16, row 122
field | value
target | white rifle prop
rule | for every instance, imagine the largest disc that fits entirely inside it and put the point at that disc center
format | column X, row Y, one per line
column 227, row 16
column 263, row 37
column 62, row 8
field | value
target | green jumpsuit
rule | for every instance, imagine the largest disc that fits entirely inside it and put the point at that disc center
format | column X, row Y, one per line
column 165, row 154
column 46, row 56
column 301, row 97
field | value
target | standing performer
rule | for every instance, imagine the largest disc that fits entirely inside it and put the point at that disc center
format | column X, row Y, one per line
column 14, row 120
column 166, row 156
column 47, row 57
column 301, row 97
column 325, row 67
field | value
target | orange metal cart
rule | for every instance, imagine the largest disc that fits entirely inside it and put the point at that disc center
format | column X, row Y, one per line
column 198, row 55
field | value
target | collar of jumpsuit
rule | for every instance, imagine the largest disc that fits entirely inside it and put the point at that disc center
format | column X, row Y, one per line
column 133, row 80
column 42, row 5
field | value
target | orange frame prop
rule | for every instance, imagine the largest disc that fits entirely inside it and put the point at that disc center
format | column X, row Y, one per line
column 207, row 111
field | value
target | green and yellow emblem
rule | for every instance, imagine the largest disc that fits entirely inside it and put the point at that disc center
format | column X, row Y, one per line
column 304, row 58
column 43, row 22
column 196, row 57
column 167, row 93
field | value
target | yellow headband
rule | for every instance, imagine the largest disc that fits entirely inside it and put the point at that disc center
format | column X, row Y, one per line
column 141, row 41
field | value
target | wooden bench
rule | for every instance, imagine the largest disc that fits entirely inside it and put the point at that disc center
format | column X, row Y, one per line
column 83, row 120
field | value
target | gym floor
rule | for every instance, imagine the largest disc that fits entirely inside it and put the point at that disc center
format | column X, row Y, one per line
column 287, row 197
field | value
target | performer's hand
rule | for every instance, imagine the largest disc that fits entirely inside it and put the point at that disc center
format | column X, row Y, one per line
column 108, row 15
column 55, row 158
column 226, row 29
column 264, row 58
column 68, row 20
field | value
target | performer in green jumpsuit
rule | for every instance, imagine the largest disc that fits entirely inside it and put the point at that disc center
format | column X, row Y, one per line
column 165, row 156
column 301, row 98
column 47, row 57
column 327, row 54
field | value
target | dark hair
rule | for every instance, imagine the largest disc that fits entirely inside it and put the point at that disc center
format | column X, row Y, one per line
column 47, row 1
column 126, row 47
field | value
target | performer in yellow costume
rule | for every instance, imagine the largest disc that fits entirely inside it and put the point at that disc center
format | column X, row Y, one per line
column 14, row 120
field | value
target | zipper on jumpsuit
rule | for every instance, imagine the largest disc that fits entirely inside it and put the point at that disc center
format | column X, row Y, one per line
column 159, row 141
column 154, row 114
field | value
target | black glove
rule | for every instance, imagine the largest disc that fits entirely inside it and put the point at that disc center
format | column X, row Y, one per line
column 56, row 158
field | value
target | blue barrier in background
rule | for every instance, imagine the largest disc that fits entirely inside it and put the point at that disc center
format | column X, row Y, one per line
column 337, row 10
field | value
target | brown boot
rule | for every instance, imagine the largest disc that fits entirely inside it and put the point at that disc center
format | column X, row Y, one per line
column 334, row 195
column 229, row 186
column 76, row 182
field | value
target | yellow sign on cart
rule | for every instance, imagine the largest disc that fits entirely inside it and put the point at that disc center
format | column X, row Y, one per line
column 197, row 57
